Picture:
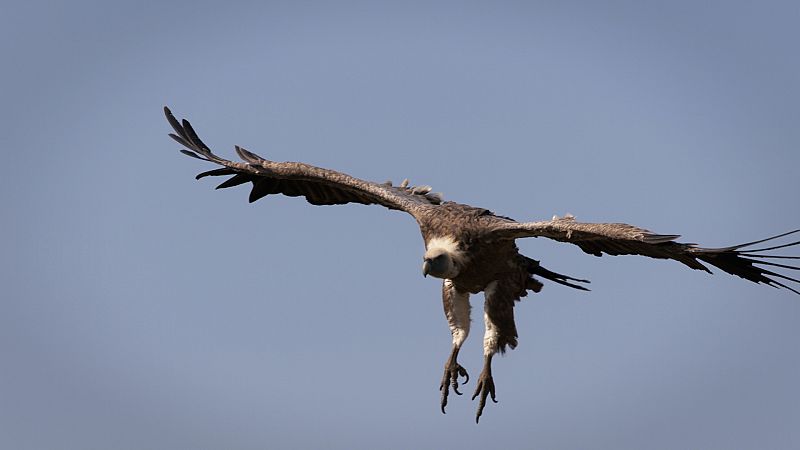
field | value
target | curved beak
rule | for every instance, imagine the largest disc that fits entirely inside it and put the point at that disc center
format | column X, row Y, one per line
column 426, row 268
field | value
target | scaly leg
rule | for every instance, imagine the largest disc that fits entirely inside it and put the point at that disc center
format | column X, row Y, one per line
column 456, row 309
column 485, row 386
column 501, row 332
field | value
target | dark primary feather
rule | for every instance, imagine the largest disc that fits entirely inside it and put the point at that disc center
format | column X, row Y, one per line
column 739, row 261
column 319, row 186
column 623, row 239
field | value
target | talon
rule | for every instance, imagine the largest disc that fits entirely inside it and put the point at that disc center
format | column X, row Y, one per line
column 485, row 388
column 450, row 379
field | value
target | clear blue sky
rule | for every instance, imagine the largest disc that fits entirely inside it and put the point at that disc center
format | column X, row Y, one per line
column 143, row 309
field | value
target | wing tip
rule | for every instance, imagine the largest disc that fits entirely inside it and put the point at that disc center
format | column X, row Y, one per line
column 750, row 264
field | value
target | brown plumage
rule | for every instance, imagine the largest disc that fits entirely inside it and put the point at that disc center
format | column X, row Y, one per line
column 473, row 250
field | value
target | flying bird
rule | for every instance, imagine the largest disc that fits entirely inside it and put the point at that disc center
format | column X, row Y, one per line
column 473, row 250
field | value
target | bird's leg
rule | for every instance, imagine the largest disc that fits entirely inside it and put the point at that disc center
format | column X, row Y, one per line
column 456, row 309
column 501, row 332
column 452, row 370
column 485, row 387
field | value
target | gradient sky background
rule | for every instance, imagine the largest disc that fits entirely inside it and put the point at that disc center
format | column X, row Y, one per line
column 143, row 309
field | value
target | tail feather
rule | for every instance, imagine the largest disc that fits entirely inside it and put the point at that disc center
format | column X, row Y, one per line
column 534, row 268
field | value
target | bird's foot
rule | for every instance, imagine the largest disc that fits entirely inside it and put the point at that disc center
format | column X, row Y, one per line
column 452, row 370
column 485, row 388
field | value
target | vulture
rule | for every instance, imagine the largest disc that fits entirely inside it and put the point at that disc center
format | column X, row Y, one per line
column 473, row 250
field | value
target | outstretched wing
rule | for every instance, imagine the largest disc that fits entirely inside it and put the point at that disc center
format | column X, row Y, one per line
column 623, row 239
column 319, row 186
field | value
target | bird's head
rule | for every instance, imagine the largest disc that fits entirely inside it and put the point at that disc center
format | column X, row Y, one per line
column 442, row 258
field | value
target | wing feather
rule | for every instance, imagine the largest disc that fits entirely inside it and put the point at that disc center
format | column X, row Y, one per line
column 235, row 180
column 319, row 186
column 623, row 239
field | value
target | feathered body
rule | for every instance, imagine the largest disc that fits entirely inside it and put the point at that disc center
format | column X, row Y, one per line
column 474, row 250
column 481, row 260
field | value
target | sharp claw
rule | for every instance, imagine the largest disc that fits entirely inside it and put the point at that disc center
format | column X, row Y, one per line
column 445, row 392
column 444, row 387
column 450, row 379
column 481, row 404
column 455, row 384
column 485, row 389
